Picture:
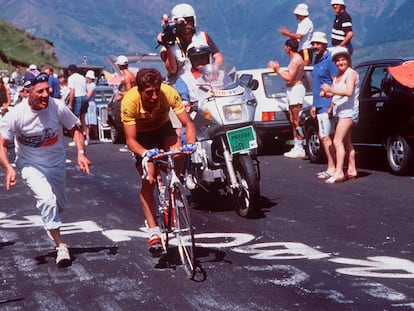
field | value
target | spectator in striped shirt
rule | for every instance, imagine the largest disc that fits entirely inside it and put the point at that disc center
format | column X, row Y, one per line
column 342, row 26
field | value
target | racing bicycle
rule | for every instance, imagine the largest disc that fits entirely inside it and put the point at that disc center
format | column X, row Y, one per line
column 173, row 213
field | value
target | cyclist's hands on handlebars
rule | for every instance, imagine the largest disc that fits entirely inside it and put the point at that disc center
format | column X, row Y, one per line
column 189, row 148
column 151, row 153
column 146, row 156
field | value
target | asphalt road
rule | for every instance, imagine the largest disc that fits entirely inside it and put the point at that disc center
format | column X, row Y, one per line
column 311, row 246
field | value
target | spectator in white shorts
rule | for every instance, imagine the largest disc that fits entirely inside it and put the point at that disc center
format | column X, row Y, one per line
column 295, row 92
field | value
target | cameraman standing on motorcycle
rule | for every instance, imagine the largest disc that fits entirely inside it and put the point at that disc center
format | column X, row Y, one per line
column 176, row 39
column 144, row 114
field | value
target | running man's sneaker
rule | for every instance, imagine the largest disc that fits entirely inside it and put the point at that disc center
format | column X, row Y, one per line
column 63, row 256
column 124, row 149
column 154, row 245
column 295, row 152
column 72, row 144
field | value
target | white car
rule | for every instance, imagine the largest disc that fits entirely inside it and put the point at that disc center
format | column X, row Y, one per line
column 271, row 120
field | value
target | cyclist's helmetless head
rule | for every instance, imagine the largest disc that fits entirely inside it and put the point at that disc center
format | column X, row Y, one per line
column 149, row 84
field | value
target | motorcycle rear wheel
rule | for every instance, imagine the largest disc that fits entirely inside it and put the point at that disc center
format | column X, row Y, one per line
column 246, row 198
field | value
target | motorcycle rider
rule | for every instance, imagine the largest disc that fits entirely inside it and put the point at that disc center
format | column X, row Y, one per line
column 199, row 57
column 174, row 54
column 187, row 84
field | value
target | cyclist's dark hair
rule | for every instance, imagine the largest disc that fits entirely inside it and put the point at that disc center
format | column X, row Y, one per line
column 147, row 77
column 293, row 44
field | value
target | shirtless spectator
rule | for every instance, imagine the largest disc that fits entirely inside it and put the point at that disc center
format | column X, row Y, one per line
column 295, row 92
column 128, row 82
column 128, row 77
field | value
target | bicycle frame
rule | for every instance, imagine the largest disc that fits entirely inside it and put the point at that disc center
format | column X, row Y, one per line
column 173, row 214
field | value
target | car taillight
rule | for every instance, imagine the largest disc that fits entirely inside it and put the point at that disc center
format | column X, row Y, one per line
column 268, row 116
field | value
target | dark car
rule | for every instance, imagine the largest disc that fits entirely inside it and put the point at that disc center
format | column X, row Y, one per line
column 386, row 117
column 135, row 62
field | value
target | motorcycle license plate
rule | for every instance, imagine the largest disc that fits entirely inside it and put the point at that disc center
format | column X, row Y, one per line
column 241, row 139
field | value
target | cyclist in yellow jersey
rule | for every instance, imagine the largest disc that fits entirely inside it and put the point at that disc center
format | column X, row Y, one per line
column 144, row 114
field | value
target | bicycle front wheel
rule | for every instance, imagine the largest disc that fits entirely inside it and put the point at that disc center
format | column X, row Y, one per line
column 184, row 230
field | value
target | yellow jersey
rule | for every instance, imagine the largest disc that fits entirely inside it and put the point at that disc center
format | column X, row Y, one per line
column 133, row 112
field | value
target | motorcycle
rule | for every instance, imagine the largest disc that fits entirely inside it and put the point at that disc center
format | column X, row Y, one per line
column 225, row 161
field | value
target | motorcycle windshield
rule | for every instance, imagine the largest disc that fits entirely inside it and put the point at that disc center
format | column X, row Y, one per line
column 224, row 100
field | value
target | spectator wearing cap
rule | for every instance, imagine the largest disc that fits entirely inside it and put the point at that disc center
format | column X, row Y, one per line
column 324, row 71
column 31, row 73
column 303, row 32
column 54, row 83
column 342, row 26
column 128, row 81
column 37, row 127
column 91, row 118
column 128, row 77
column 78, row 101
column 344, row 93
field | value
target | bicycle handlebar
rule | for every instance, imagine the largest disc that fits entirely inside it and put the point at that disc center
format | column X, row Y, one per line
column 162, row 156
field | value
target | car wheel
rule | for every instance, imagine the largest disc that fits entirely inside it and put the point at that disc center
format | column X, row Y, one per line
column 399, row 155
column 116, row 136
column 313, row 146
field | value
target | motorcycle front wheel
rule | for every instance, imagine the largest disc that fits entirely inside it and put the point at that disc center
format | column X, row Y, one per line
column 246, row 197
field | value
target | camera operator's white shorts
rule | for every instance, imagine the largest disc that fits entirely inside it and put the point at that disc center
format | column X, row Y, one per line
column 295, row 94
column 326, row 125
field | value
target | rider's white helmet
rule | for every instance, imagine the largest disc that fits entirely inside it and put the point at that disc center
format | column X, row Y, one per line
column 183, row 10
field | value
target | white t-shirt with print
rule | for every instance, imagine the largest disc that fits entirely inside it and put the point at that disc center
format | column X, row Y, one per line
column 38, row 133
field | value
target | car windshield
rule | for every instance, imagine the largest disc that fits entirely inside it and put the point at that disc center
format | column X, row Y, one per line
column 275, row 86
column 138, row 61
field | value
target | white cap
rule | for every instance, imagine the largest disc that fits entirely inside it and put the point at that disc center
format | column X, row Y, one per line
column 341, row 2
column 301, row 9
column 90, row 74
column 122, row 60
column 339, row 50
column 320, row 37
column 32, row 67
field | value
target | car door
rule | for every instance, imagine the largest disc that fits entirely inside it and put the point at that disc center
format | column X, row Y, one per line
column 372, row 99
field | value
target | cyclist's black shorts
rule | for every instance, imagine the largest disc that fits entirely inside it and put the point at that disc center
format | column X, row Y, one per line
column 154, row 139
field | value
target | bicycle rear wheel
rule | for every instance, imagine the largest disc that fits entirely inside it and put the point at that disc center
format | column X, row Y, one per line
column 183, row 230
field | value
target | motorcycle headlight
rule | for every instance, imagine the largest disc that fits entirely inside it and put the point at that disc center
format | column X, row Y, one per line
column 233, row 112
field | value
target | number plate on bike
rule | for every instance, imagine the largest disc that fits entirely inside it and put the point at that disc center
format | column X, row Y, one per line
column 241, row 139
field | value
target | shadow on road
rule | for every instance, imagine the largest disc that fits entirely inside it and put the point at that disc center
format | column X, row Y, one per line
column 215, row 204
column 4, row 244
column 112, row 250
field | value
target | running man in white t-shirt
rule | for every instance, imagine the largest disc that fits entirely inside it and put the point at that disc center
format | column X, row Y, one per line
column 36, row 125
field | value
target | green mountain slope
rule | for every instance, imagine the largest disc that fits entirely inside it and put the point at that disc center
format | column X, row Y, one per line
column 22, row 49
